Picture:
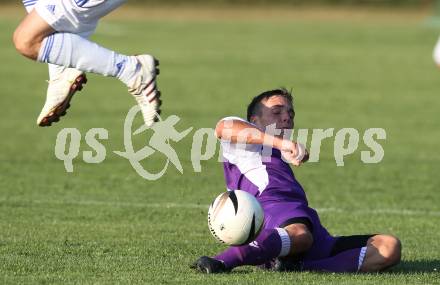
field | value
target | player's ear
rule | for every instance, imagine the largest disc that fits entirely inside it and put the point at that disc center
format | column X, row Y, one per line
column 254, row 120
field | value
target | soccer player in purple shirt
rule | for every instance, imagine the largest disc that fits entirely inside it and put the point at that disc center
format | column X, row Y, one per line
column 293, row 237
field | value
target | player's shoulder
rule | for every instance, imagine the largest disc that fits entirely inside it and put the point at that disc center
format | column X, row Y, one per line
column 236, row 118
column 237, row 148
column 233, row 118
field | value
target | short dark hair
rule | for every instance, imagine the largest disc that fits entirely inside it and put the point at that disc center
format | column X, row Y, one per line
column 255, row 105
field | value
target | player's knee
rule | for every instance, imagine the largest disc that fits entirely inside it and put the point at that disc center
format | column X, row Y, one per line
column 303, row 241
column 307, row 240
column 393, row 251
column 301, row 238
column 389, row 249
column 24, row 44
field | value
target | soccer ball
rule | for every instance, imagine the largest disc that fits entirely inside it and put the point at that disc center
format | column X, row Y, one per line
column 235, row 217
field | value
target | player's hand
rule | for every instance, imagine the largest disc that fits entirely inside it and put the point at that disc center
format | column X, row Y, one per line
column 294, row 153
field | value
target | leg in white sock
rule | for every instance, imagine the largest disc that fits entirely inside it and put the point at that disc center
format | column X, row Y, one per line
column 54, row 70
column 71, row 50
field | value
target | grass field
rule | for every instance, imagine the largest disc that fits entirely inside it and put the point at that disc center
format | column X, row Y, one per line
column 105, row 224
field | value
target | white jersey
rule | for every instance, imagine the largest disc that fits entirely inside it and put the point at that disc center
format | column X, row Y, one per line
column 247, row 159
column 73, row 16
column 260, row 171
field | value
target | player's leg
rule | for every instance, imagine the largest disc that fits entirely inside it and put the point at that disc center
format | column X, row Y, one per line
column 62, row 84
column 54, row 70
column 301, row 240
column 300, row 234
column 30, row 33
column 366, row 253
column 269, row 244
column 347, row 254
column 436, row 53
column 291, row 240
column 287, row 232
column 36, row 39
column 383, row 251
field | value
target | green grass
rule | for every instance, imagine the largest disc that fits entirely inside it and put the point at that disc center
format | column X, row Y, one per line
column 105, row 224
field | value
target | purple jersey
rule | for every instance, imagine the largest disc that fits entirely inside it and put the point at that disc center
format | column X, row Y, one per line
column 263, row 173
column 260, row 171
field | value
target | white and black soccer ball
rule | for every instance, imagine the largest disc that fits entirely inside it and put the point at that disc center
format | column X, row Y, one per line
column 235, row 217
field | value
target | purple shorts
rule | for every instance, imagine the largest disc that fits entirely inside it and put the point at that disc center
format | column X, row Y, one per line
column 276, row 213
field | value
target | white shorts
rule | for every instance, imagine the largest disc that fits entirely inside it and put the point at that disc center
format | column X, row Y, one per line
column 75, row 16
column 437, row 53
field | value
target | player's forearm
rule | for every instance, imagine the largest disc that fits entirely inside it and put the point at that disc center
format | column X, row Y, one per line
column 237, row 131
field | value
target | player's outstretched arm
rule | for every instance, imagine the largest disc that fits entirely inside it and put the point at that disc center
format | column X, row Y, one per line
column 236, row 130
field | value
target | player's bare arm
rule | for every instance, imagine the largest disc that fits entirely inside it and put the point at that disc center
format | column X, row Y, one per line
column 239, row 131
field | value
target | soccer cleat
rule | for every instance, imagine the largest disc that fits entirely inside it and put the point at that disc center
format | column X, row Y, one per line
column 209, row 265
column 144, row 89
column 59, row 94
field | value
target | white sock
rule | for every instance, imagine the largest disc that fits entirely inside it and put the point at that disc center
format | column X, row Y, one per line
column 71, row 50
column 285, row 242
column 362, row 254
column 54, row 70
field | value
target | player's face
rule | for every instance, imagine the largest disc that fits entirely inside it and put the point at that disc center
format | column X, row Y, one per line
column 276, row 110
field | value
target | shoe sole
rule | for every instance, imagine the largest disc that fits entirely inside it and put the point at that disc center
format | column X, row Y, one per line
column 156, row 72
column 61, row 110
column 157, row 98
